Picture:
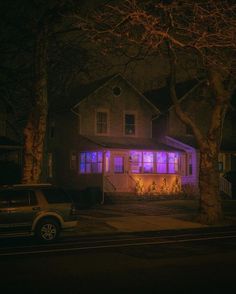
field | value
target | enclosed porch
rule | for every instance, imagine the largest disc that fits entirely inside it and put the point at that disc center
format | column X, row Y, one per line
column 140, row 172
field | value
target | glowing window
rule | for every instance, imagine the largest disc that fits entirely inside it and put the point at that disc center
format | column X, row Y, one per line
column 148, row 162
column 136, row 162
column 161, row 161
column 172, row 163
column 119, row 164
column 91, row 162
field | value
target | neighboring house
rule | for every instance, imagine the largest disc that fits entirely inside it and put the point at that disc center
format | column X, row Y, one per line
column 170, row 130
column 106, row 141
column 10, row 148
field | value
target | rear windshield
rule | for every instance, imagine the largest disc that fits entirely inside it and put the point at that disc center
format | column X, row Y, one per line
column 56, row 195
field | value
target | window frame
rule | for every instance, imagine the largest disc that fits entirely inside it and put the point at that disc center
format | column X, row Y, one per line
column 134, row 113
column 89, row 163
column 102, row 110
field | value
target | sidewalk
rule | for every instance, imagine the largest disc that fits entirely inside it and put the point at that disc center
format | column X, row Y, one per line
column 146, row 216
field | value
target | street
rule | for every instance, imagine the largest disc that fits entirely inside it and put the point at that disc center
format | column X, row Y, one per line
column 188, row 261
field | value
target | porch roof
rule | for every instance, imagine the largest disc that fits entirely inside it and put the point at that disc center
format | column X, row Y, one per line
column 227, row 145
column 130, row 143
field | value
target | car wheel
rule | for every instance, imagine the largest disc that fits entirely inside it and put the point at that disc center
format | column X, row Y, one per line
column 48, row 230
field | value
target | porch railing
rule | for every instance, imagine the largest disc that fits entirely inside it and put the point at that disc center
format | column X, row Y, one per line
column 225, row 186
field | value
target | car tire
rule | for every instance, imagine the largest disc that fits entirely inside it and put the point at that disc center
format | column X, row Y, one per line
column 47, row 230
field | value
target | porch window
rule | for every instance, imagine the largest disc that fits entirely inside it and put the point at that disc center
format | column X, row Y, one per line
column 102, row 122
column 148, row 162
column 154, row 162
column 136, row 162
column 129, row 124
column 161, row 162
column 119, row 165
column 91, row 162
column 172, row 163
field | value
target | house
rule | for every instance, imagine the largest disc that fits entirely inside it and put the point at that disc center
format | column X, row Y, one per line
column 170, row 130
column 10, row 148
column 106, row 142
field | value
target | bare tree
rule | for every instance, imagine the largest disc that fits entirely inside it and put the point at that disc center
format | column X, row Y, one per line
column 203, row 32
column 37, row 40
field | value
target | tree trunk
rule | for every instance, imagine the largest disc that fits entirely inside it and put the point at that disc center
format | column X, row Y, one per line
column 35, row 128
column 209, row 177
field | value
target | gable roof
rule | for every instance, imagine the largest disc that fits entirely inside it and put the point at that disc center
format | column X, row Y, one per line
column 89, row 89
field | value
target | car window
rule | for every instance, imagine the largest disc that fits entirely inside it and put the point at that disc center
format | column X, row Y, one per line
column 19, row 198
column 56, row 195
column 32, row 199
column 4, row 199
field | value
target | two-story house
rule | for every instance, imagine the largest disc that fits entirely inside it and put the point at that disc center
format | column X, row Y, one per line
column 106, row 141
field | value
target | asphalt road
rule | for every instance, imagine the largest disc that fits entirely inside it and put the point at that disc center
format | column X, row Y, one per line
column 199, row 261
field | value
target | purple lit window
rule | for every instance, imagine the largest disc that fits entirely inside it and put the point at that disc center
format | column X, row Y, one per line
column 161, row 162
column 172, row 163
column 148, row 162
column 90, row 162
column 136, row 162
column 119, row 165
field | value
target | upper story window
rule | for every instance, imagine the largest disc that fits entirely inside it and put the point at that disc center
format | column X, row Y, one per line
column 129, row 124
column 102, row 122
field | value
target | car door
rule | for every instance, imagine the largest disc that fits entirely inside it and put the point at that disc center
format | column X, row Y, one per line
column 22, row 209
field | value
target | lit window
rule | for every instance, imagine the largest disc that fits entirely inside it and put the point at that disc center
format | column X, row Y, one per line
column 129, row 124
column 136, row 162
column 172, row 163
column 102, row 119
column 91, row 162
column 161, row 162
column 119, row 165
column 148, row 162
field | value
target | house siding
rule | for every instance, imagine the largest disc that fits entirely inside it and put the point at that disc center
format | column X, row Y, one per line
column 127, row 101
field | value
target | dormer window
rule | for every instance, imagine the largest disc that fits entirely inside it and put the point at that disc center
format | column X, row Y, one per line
column 129, row 124
column 102, row 122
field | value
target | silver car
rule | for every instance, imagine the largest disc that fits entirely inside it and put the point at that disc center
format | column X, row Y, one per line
column 41, row 210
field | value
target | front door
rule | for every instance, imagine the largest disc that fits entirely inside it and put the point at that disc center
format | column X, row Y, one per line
column 120, row 172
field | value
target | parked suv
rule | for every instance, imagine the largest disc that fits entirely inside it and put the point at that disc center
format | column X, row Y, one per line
column 42, row 210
